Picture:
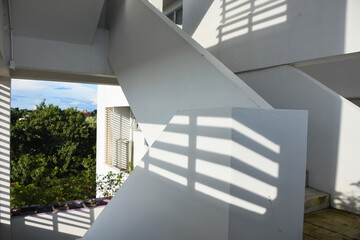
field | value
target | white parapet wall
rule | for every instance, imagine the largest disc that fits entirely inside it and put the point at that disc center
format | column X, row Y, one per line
column 162, row 70
column 62, row 225
column 218, row 174
column 334, row 130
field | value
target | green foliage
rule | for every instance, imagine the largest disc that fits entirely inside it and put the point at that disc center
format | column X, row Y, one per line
column 53, row 190
column 91, row 121
column 110, row 183
column 53, row 145
column 131, row 166
column 17, row 114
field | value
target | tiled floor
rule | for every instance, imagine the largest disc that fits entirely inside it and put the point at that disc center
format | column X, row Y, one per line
column 331, row 224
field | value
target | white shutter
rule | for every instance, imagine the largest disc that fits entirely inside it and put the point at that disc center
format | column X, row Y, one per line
column 118, row 137
column 108, row 135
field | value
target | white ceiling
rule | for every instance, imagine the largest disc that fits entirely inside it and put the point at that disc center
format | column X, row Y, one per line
column 61, row 20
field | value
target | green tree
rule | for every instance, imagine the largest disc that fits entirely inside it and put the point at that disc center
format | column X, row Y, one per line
column 18, row 114
column 52, row 144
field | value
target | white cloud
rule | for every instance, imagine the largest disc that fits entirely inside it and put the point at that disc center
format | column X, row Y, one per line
column 24, row 85
column 75, row 103
column 94, row 100
column 33, row 107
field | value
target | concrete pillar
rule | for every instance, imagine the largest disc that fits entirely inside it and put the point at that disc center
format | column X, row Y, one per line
column 5, row 217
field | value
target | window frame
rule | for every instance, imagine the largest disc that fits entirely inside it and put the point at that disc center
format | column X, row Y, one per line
column 174, row 11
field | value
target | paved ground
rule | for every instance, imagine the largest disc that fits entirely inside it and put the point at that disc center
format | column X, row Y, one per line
column 331, row 224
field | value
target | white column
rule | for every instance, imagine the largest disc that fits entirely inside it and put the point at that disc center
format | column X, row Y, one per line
column 5, row 218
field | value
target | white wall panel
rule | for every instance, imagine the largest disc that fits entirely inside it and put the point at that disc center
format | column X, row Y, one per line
column 333, row 134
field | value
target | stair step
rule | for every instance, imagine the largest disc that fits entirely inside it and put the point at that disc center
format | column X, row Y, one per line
column 315, row 200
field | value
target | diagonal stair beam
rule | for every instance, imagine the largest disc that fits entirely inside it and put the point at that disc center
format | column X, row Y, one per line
column 162, row 70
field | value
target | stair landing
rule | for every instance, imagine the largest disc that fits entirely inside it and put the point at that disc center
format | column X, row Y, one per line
column 331, row 224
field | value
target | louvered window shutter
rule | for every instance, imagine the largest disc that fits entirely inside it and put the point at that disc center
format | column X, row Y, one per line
column 108, row 135
column 118, row 137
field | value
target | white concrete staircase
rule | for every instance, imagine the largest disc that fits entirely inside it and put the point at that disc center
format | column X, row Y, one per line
column 219, row 173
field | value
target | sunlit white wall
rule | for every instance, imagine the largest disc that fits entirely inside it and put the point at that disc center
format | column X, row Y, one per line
column 251, row 34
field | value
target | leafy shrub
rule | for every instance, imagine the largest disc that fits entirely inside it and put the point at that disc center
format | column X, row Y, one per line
column 110, row 183
column 52, row 190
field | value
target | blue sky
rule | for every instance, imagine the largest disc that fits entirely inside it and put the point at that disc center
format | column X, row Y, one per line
column 25, row 94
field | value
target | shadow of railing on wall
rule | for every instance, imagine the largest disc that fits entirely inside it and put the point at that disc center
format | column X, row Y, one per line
column 68, row 224
column 242, row 17
column 5, row 158
column 207, row 170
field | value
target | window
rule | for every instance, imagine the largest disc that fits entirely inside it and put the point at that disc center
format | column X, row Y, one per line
column 176, row 15
column 118, row 137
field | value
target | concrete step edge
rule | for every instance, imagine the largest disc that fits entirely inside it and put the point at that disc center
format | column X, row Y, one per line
column 315, row 200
